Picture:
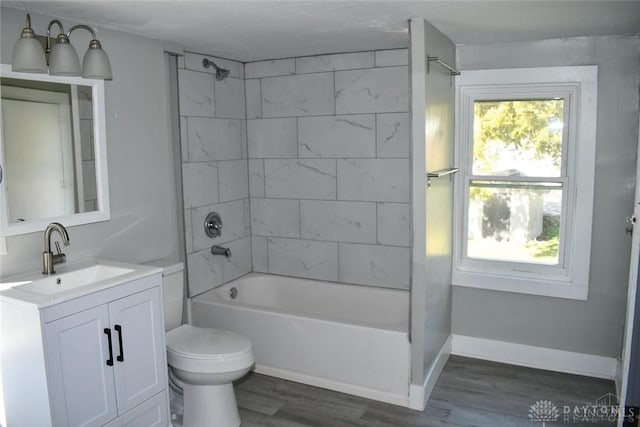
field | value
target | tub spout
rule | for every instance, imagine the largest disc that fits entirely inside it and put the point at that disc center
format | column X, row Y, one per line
column 219, row 250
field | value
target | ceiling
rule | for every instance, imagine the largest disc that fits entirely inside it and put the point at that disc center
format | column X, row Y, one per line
column 255, row 30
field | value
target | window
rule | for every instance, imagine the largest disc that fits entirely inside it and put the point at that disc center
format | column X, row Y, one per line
column 524, row 197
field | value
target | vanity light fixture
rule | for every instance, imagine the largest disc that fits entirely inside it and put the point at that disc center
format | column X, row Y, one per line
column 29, row 56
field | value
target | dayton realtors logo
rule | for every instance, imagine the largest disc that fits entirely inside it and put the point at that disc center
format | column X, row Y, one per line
column 544, row 411
column 605, row 409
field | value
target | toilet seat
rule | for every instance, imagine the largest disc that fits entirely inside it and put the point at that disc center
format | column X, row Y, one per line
column 207, row 350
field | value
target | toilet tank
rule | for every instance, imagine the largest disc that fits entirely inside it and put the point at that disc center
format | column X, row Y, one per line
column 172, row 291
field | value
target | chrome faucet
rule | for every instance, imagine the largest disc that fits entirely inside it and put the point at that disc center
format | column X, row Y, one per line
column 49, row 259
column 213, row 225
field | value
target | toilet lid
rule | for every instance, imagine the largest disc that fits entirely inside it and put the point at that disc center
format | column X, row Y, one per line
column 206, row 343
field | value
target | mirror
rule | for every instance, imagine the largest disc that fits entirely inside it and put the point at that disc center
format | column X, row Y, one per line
column 52, row 152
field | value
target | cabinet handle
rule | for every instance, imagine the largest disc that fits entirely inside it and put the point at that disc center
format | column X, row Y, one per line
column 118, row 329
column 110, row 359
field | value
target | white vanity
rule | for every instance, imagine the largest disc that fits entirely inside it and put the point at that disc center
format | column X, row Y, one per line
column 85, row 347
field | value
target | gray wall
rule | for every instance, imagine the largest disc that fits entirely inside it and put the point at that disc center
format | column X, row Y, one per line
column 143, row 222
column 439, row 197
column 594, row 326
column 328, row 145
column 432, row 150
column 214, row 170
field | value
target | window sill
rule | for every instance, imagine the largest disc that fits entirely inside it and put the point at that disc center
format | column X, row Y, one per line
column 521, row 285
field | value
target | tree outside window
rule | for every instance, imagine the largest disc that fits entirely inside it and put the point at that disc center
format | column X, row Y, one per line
column 515, row 192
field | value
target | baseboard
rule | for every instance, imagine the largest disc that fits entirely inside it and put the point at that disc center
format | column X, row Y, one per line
column 535, row 357
column 419, row 394
column 618, row 377
column 369, row 393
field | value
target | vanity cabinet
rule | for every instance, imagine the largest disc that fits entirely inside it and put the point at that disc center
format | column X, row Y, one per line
column 104, row 359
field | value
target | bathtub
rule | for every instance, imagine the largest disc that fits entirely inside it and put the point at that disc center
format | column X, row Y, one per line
column 348, row 338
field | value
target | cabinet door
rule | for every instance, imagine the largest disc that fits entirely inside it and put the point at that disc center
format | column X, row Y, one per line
column 140, row 366
column 81, row 385
column 152, row 413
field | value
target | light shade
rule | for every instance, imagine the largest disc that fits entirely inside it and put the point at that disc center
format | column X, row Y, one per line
column 28, row 55
column 96, row 64
column 63, row 60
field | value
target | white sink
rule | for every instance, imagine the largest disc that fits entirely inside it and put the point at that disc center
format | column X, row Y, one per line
column 59, row 283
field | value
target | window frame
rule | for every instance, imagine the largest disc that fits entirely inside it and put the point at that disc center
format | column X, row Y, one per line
column 578, row 86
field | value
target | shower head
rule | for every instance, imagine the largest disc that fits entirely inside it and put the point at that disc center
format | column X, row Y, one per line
column 221, row 73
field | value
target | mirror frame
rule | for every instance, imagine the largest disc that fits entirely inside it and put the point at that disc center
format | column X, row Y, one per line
column 103, row 213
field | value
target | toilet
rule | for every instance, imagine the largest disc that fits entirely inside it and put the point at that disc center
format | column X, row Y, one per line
column 204, row 362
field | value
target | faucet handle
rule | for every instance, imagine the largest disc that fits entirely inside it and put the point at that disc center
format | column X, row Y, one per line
column 58, row 258
column 213, row 225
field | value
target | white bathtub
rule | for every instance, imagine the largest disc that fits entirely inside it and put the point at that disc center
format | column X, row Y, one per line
column 348, row 338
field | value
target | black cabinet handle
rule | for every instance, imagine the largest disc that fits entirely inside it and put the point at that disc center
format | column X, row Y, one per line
column 118, row 329
column 110, row 359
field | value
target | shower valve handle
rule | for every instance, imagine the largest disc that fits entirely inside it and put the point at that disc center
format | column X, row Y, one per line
column 213, row 225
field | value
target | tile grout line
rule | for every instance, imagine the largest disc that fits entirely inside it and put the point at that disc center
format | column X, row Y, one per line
column 261, row 100
column 367, row 113
column 300, row 217
column 335, row 95
column 267, row 251
column 264, row 178
column 375, row 127
column 377, row 224
column 297, row 138
column 338, row 263
column 337, row 242
column 305, row 73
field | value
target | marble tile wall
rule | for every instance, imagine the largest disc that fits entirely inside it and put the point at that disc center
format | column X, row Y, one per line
column 215, row 170
column 328, row 166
